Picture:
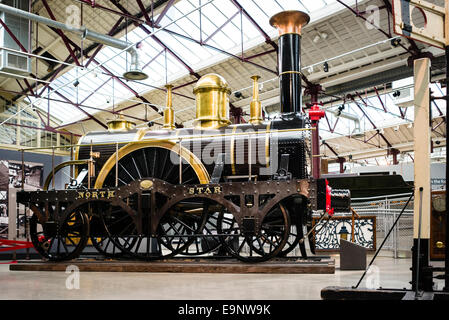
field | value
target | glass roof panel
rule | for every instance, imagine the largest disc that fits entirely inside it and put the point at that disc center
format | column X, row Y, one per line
column 214, row 16
column 375, row 112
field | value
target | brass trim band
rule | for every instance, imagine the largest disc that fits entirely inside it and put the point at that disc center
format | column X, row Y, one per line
column 166, row 139
column 267, row 145
column 290, row 33
column 286, row 72
column 232, row 150
column 76, row 154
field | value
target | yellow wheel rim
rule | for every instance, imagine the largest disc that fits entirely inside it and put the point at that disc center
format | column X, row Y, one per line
column 187, row 155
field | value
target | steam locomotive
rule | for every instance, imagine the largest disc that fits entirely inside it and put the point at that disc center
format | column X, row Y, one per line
column 242, row 190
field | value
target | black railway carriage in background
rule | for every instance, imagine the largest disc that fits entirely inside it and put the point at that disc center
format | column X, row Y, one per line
column 152, row 194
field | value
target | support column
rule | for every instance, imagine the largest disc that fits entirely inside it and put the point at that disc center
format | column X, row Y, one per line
column 421, row 277
column 316, row 160
column 315, row 114
column 446, row 258
column 12, row 213
column 394, row 153
column 341, row 161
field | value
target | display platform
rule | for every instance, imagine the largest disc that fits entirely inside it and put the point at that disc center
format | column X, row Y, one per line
column 290, row 265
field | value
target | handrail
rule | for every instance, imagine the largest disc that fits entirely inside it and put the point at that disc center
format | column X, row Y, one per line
column 169, row 139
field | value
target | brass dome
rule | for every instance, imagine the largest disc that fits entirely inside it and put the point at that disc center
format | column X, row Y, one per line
column 212, row 102
column 212, row 81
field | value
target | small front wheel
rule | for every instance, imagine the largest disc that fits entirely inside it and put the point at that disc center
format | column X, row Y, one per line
column 58, row 241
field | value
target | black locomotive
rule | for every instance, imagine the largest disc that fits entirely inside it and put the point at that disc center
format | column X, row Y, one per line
column 238, row 189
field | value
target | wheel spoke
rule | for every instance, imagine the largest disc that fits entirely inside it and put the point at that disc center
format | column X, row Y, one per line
column 137, row 169
column 182, row 223
column 196, row 245
column 145, row 162
column 70, row 239
column 139, row 242
column 241, row 246
column 154, row 163
column 167, row 153
column 58, row 245
column 261, row 245
column 65, row 247
column 126, row 171
column 107, row 244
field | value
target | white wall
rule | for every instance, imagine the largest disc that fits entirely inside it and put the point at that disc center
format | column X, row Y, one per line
column 406, row 170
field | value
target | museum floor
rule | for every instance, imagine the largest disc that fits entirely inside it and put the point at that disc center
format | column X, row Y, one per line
column 114, row 285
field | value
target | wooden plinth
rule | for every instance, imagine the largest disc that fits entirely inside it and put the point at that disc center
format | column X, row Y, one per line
column 277, row 266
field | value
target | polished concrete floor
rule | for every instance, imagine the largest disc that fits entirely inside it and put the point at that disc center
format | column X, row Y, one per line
column 387, row 273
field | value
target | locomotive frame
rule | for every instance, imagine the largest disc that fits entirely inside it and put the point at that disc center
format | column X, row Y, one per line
column 75, row 210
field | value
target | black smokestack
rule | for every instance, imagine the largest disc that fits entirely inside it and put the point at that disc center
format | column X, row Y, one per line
column 289, row 25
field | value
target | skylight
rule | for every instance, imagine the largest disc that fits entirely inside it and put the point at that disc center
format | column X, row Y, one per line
column 374, row 113
column 164, row 65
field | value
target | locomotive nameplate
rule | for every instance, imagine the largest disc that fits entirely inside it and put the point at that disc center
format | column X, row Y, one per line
column 96, row 194
column 206, row 190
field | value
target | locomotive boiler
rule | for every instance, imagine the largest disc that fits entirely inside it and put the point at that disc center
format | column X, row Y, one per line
column 240, row 189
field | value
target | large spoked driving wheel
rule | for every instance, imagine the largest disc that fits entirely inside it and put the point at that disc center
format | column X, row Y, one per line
column 296, row 233
column 102, row 241
column 158, row 161
column 202, row 214
column 60, row 240
column 106, row 247
column 297, row 211
column 175, row 231
column 180, row 226
column 124, row 237
column 262, row 246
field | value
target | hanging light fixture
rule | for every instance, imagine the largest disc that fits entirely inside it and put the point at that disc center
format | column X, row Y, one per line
column 134, row 73
column 320, row 36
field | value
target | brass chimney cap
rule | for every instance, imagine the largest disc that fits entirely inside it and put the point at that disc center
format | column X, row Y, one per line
column 212, row 81
column 290, row 21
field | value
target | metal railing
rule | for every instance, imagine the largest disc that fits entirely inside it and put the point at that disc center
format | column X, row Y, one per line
column 386, row 209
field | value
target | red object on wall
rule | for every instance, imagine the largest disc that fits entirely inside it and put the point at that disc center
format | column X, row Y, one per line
column 316, row 113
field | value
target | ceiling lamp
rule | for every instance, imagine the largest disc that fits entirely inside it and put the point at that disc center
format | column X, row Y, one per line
column 320, row 36
column 134, row 72
column 135, row 75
